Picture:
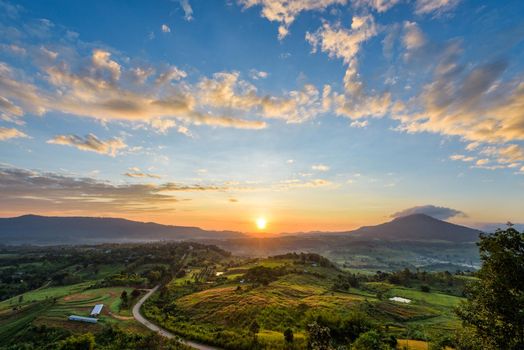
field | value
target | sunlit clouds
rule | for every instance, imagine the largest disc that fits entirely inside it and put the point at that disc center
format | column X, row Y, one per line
column 90, row 143
column 317, row 114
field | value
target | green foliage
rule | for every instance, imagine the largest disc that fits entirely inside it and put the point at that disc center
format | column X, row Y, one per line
column 124, row 298
column 78, row 342
column 344, row 329
column 495, row 305
column 425, row 288
column 319, row 337
column 263, row 275
column 371, row 340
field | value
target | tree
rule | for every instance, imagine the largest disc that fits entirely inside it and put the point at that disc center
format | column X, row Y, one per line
column 135, row 293
column 425, row 288
column 124, row 298
column 288, row 335
column 319, row 337
column 78, row 342
column 371, row 340
column 494, row 309
column 254, row 329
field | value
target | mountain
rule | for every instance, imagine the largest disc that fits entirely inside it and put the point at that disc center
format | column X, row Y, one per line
column 417, row 227
column 34, row 229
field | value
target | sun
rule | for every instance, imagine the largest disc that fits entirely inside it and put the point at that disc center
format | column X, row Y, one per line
column 261, row 223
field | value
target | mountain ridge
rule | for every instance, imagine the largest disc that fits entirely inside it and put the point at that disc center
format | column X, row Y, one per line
column 37, row 229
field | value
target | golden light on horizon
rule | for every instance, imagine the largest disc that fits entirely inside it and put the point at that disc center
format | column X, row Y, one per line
column 261, row 223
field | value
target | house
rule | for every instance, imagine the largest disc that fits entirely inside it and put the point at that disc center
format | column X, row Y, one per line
column 82, row 319
column 96, row 310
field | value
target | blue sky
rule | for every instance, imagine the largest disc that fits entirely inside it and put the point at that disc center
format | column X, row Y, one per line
column 318, row 115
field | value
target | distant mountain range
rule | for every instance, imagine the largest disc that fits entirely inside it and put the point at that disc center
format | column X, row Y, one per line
column 34, row 229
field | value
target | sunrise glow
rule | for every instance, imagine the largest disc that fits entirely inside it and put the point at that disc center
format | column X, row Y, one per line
column 261, row 223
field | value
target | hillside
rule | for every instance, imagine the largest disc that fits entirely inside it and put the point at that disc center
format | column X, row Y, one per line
column 34, row 229
column 418, row 227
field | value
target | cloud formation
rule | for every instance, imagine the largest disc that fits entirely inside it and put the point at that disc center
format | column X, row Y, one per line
column 90, row 143
column 285, row 11
column 98, row 90
column 135, row 172
column 226, row 91
column 10, row 133
column 320, row 167
column 188, row 10
column 28, row 191
column 377, row 5
column 473, row 102
column 436, row 7
column 345, row 43
column 441, row 213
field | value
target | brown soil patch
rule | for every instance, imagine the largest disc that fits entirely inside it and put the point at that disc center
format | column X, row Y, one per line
column 78, row 297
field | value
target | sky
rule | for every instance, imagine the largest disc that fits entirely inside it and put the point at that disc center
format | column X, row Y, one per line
column 313, row 114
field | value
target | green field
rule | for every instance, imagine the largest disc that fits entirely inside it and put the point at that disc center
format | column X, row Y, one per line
column 294, row 299
column 43, row 294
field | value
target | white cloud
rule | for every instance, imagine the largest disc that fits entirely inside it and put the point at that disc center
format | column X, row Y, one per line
column 441, row 213
column 461, row 157
column 257, row 74
column 285, row 11
column 90, row 143
column 413, row 37
column 170, row 74
column 165, row 28
column 320, row 167
column 377, row 5
column 359, row 124
column 481, row 162
column 436, row 7
column 8, row 110
column 102, row 61
column 11, row 133
column 345, row 43
column 475, row 103
column 225, row 90
column 188, row 10
column 97, row 91
column 135, row 172
column 162, row 125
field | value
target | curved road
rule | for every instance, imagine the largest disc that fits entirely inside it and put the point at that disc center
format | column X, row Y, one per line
column 161, row 331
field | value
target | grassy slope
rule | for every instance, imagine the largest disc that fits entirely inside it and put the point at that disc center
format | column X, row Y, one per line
column 290, row 300
column 38, row 308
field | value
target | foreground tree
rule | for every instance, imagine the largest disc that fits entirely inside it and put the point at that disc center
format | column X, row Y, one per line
column 124, row 298
column 494, row 310
column 288, row 335
column 254, row 329
column 371, row 340
column 319, row 337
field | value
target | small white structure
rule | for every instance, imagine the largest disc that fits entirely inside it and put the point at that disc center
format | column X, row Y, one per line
column 400, row 300
column 96, row 310
column 219, row 273
column 82, row 319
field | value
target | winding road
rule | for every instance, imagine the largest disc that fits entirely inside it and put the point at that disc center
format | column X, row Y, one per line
column 161, row 331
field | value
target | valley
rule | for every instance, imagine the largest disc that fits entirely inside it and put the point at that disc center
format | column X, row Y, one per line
column 209, row 296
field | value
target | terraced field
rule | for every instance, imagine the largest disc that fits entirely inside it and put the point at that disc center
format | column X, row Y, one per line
column 52, row 306
column 82, row 303
column 294, row 299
